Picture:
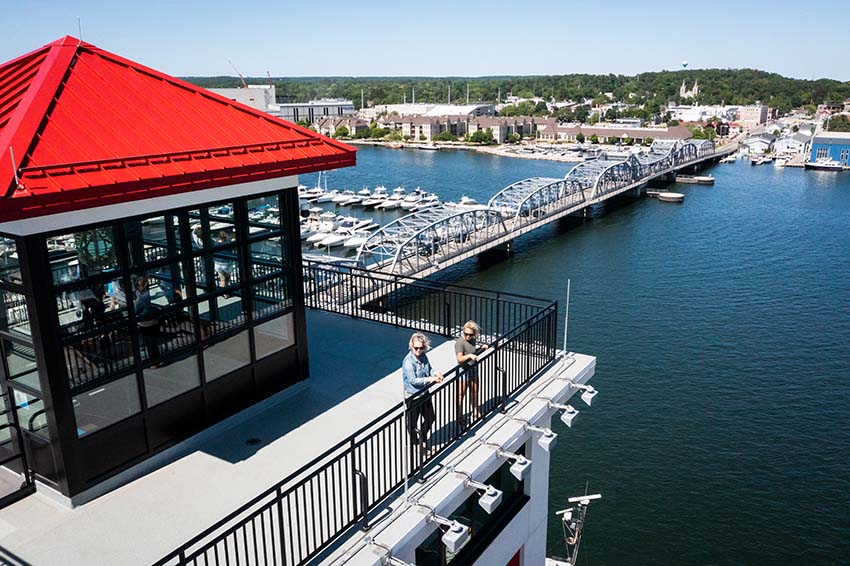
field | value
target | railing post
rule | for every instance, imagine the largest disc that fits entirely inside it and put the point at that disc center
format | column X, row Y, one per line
column 504, row 381
column 527, row 351
column 364, row 499
column 447, row 313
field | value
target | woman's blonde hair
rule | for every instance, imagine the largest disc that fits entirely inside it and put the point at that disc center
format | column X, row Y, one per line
column 419, row 337
column 471, row 324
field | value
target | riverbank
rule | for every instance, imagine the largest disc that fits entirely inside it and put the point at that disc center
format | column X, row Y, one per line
column 555, row 153
column 546, row 151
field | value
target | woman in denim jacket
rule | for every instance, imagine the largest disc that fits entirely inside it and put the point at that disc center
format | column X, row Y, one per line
column 417, row 376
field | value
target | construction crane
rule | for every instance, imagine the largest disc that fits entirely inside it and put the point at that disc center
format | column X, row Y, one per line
column 241, row 78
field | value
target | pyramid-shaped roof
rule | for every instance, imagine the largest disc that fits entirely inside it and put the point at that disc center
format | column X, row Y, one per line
column 81, row 127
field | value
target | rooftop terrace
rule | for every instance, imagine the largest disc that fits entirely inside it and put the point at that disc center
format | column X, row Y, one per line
column 355, row 376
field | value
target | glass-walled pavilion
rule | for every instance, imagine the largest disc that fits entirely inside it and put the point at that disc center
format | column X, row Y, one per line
column 122, row 337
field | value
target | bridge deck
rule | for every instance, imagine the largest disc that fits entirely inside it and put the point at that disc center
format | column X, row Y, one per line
column 421, row 244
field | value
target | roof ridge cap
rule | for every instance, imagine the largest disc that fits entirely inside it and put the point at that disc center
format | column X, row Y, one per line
column 23, row 124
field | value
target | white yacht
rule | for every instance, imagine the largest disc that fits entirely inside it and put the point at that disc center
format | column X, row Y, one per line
column 328, row 196
column 412, row 199
column 353, row 223
column 394, row 200
column 429, row 201
column 357, row 239
column 378, row 196
column 327, row 224
column 342, row 196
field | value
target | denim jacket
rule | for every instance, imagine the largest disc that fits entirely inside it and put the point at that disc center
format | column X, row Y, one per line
column 415, row 374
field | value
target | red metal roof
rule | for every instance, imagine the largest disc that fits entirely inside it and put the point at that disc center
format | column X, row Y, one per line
column 88, row 128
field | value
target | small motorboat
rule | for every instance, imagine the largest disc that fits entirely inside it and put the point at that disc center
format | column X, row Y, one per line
column 671, row 197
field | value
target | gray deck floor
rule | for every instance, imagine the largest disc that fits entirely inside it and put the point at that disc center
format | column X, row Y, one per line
column 354, row 365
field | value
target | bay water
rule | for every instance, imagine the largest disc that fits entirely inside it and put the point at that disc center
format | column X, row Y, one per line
column 721, row 433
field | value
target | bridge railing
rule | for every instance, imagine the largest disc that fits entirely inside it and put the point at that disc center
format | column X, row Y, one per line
column 296, row 519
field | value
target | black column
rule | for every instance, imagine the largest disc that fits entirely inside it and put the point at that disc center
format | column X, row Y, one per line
column 59, row 410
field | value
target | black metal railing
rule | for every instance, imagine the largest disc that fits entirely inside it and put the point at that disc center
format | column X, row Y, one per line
column 413, row 303
column 296, row 519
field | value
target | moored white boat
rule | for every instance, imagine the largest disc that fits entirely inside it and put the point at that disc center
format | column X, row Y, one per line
column 824, row 164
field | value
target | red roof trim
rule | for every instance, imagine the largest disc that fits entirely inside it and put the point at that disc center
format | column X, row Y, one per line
column 142, row 189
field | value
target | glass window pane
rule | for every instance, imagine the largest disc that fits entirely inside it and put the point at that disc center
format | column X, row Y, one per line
column 274, row 335
column 267, row 256
column 221, row 314
column 212, row 227
column 224, row 270
column 226, row 356
column 94, row 331
column 20, row 363
column 271, row 296
column 264, row 216
column 152, row 239
column 31, row 415
column 80, row 255
column 105, row 405
column 14, row 316
column 10, row 270
column 176, row 375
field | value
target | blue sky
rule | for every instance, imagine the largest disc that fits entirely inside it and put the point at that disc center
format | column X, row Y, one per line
column 439, row 38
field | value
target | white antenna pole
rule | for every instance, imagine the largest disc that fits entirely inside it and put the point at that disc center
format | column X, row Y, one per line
column 567, row 316
column 450, row 93
column 362, row 105
column 467, row 94
column 413, row 90
column 79, row 30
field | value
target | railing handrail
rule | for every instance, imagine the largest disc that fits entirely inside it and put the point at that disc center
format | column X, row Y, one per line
column 294, row 479
column 419, row 283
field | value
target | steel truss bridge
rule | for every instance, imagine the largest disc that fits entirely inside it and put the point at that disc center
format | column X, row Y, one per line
column 422, row 243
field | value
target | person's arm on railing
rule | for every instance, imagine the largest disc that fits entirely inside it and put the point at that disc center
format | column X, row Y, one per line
column 412, row 381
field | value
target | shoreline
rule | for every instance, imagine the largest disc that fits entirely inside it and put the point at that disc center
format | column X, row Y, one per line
column 497, row 150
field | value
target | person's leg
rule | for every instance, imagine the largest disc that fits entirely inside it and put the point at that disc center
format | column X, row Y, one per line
column 413, row 411
column 428, row 419
column 473, row 397
column 461, row 392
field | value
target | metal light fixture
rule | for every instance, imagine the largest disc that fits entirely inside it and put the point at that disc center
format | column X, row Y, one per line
column 569, row 414
column 588, row 392
column 490, row 496
column 547, row 438
column 521, row 466
column 388, row 557
column 454, row 535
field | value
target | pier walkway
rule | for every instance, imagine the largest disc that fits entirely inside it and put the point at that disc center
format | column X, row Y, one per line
column 422, row 243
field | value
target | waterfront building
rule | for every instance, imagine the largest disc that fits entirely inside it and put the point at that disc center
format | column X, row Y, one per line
column 261, row 97
column 792, row 144
column 608, row 133
column 431, row 109
column 831, row 145
column 702, row 113
column 150, row 285
column 328, row 126
column 313, row 110
column 754, row 115
column 502, row 127
column 759, row 143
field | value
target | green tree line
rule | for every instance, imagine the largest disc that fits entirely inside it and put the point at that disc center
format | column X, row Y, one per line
column 729, row 86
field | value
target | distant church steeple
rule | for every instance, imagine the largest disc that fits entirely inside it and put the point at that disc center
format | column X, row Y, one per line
column 685, row 93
